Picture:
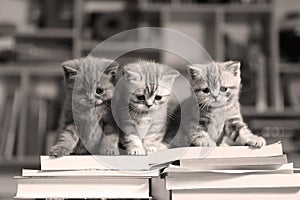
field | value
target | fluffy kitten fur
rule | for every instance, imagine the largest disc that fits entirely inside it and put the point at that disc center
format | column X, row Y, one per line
column 89, row 87
column 143, row 106
column 217, row 87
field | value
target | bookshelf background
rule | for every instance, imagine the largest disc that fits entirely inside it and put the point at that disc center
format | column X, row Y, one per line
column 35, row 41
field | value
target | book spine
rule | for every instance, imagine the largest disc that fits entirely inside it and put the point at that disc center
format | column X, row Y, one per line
column 12, row 127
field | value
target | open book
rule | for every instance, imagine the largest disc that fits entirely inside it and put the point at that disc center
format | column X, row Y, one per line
column 157, row 159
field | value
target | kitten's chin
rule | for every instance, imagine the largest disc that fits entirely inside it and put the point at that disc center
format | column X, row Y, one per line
column 217, row 105
column 144, row 108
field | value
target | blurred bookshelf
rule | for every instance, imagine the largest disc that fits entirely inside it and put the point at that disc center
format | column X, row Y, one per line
column 85, row 23
column 19, row 163
column 31, row 79
column 290, row 68
column 31, row 100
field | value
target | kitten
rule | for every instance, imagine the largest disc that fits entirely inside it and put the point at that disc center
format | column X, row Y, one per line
column 89, row 91
column 143, row 106
column 217, row 87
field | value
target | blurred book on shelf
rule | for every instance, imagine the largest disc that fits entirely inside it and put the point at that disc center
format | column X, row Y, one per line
column 244, row 41
column 6, row 114
column 42, row 112
column 291, row 90
column 7, row 42
column 11, row 131
column 51, row 13
column 289, row 39
column 42, row 51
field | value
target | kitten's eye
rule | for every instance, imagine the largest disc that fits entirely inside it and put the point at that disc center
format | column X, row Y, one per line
column 99, row 91
column 140, row 97
column 197, row 90
column 205, row 90
column 223, row 89
column 157, row 97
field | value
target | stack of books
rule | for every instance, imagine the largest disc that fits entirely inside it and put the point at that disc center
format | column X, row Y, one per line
column 88, row 177
column 236, row 172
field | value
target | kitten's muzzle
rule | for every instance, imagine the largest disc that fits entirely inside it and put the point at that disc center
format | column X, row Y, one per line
column 149, row 105
column 214, row 96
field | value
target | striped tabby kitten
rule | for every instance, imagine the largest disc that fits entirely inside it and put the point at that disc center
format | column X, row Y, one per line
column 217, row 87
column 91, row 98
column 143, row 101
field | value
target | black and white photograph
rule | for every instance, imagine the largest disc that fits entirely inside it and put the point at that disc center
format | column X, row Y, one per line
column 150, row 99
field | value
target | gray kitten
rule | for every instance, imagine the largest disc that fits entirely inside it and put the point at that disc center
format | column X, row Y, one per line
column 217, row 87
column 89, row 88
column 143, row 106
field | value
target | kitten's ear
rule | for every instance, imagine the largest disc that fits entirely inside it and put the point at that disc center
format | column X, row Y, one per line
column 194, row 71
column 71, row 67
column 234, row 67
column 112, row 68
column 170, row 76
column 130, row 75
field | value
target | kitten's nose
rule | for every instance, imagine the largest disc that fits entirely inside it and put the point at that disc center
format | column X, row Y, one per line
column 214, row 96
column 149, row 104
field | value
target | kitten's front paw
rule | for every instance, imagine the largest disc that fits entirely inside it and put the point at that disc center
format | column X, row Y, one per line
column 255, row 141
column 109, row 151
column 154, row 148
column 203, row 142
column 136, row 150
column 59, row 151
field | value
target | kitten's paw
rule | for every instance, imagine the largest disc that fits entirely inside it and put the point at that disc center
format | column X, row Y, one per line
column 255, row 141
column 109, row 151
column 153, row 148
column 136, row 151
column 203, row 142
column 59, row 151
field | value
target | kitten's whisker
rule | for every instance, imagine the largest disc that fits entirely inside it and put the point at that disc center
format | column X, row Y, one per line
column 170, row 114
column 202, row 107
column 205, row 106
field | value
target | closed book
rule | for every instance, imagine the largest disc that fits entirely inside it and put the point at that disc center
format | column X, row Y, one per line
column 170, row 155
column 271, row 162
column 162, row 192
column 158, row 159
column 286, row 193
column 227, row 180
column 82, row 187
column 177, row 171
column 79, row 162
column 99, row 173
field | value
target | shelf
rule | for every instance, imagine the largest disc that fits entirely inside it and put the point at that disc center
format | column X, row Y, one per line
column 250, row 112
column 104, row 6
column 206, row 8
column 41, row 70
column 26, row 161
column 89, row 45
column 56, row 33
column 290, row 68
